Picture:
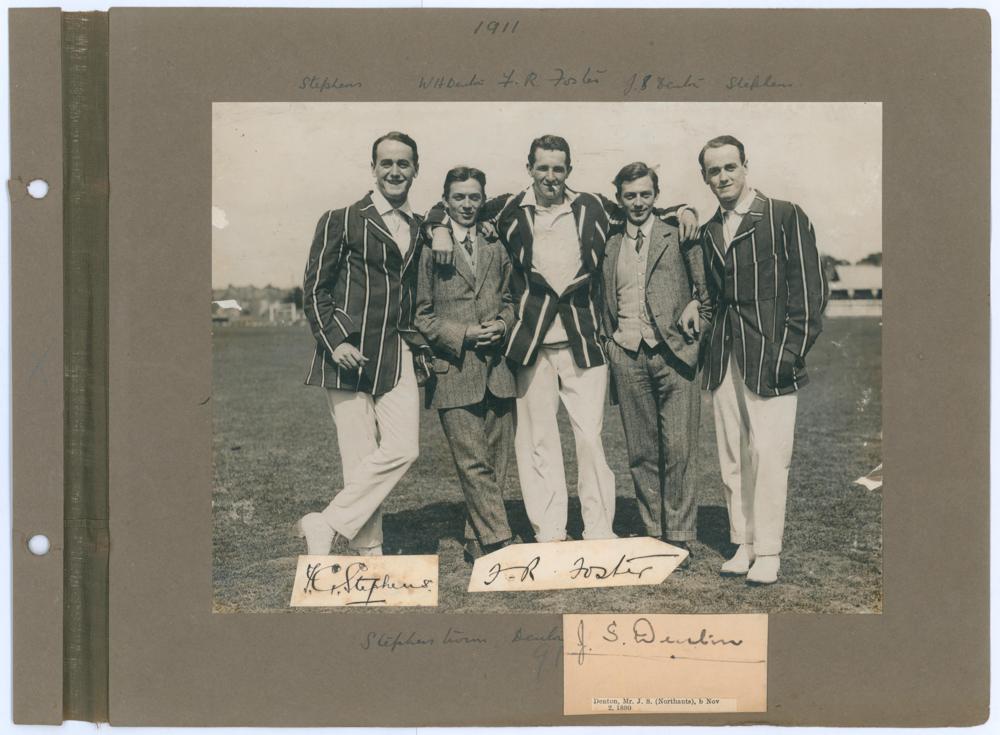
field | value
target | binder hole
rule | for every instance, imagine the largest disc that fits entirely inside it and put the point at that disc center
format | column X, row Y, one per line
column 38, row 544
column 38, row 188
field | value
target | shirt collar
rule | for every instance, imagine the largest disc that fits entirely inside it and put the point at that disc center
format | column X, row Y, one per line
column 383, row 207
column 460, row 231
column 744, row 203
column 646, row 228
column 530, row 201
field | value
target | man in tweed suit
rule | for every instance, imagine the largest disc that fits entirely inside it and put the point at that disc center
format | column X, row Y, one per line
column 359, row 292
column 767, row 282
column 655, row 306
column 463, row 311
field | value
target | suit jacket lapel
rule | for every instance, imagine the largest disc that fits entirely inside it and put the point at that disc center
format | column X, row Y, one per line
column 750, row 219
column 587, row 231
column 660, row 238
column 519, row 232
column 514, row 226
column 414, row 241
column 484, row 258
column 376, row 225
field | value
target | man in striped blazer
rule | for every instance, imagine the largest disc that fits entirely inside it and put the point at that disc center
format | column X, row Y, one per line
column 359, row 294
column 767, row 282
column 555, row 238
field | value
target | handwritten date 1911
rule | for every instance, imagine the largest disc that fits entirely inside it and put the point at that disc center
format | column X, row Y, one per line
column 495, row 27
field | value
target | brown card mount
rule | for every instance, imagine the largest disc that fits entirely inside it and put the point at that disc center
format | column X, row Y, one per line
column 170, row 659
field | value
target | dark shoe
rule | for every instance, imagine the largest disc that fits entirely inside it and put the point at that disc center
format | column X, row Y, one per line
column 474, row 550
column 682, row 545
column 490, row 548
column 471, row 550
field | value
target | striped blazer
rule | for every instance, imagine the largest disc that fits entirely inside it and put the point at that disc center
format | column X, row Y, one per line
column 769, row 292
column 359, row 288
column 538, row 304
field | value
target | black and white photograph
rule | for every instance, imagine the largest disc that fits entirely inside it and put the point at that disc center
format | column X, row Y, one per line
column 462, row 329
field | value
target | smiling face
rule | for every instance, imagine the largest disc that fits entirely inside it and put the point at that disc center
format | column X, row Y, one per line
column 549, row 173
column 394, row 170
column 465, row 199
column 725, row 174
column 637, row 198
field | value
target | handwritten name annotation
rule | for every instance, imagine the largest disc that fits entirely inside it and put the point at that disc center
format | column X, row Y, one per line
column 635, row 84
column 393, row 640
column 326, row 84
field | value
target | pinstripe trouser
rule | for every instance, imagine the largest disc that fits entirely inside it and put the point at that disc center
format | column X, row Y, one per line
column 660, row 402
column 378, row 439
column 755, row 436
column 538, row 449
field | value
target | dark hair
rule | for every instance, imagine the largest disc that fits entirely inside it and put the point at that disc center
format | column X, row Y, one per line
column 718, row 143
column 463, row 173
column 634, row 171
column 549, row 143
column 400, row 138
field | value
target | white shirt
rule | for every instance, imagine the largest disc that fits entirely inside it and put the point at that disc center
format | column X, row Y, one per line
column 631, row 230
column 731, row 218
column 397, row 220
column 555, row 251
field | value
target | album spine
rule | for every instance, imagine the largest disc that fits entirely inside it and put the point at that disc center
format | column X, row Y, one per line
column 85, row 51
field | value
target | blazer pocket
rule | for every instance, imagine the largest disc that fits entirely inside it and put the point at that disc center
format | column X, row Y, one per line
column 783, row 366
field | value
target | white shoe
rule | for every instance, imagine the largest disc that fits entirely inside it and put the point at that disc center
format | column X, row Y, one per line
column 370, row 551
column 764, row 570
column 317, row 532
column 739, row 564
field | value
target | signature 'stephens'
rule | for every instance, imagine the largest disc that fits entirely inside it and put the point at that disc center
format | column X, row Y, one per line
column 382, row 581
column 351, row 578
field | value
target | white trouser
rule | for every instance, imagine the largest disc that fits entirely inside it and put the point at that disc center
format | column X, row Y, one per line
column 552, row 377
column 755, row 436
column 378, row 438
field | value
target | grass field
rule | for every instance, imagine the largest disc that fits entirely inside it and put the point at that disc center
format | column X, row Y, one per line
column 275, row 456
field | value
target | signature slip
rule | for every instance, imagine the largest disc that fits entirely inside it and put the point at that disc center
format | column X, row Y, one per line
column 366, row 581
column 575, row 564
column 644, row 664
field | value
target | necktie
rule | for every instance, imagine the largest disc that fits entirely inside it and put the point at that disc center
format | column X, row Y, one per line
column 467, row 242
column 638, row 241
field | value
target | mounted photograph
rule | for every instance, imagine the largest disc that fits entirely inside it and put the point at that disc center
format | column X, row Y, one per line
column 563, row 357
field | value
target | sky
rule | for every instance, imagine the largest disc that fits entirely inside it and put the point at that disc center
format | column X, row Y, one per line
column 278, row 167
